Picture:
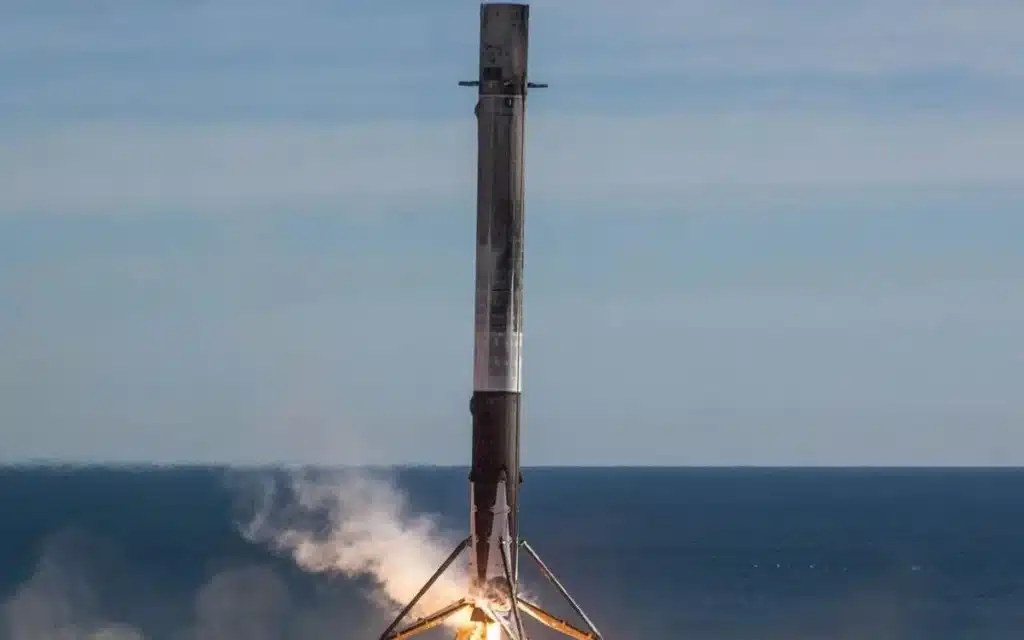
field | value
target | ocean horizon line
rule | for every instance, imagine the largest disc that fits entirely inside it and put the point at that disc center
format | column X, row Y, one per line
column 135, row 466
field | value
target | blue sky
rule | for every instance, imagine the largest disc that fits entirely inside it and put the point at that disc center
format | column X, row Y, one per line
column 757, row 232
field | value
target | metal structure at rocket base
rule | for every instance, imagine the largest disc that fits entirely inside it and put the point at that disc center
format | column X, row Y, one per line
column 492, row 599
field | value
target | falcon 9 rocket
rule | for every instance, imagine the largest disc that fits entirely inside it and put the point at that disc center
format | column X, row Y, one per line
column 492, row 596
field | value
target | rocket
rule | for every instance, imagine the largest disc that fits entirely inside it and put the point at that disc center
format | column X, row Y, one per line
column 498, row 320
column 492, row 595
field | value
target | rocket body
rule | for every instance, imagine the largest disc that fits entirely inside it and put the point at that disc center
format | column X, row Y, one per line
column 498, row 328
column 494, row 479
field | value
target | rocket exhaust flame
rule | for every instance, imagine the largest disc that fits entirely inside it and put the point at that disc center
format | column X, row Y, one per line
column 492, row 594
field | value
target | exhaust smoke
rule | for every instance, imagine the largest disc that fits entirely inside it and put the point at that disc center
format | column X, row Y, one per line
column 359, row 524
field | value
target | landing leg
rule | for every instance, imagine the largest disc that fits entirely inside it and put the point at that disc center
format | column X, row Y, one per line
column 431, row 621
column 388, row 635
column 546, row 618
column 513, row 590
column 552, row 622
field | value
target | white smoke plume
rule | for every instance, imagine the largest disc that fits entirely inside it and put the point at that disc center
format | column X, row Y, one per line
column 359, row 524
column 58, row 602
column 251, row 602
column 64, row 597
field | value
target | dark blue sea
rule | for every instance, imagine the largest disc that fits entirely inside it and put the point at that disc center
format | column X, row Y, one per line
column 649, row 553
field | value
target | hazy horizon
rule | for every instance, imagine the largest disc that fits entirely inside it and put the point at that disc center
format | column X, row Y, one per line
column 146, row 466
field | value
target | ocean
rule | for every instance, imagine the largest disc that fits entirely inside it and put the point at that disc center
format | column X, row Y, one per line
column 648, row 552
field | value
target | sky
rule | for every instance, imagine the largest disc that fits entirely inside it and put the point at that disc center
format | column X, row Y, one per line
column 758, row 232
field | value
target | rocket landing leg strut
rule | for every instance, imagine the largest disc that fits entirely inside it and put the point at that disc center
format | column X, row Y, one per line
column 518, row 604
column 549, row 620
column 431, row 621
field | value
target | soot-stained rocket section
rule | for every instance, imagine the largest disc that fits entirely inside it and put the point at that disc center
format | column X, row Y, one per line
column 498, row 326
